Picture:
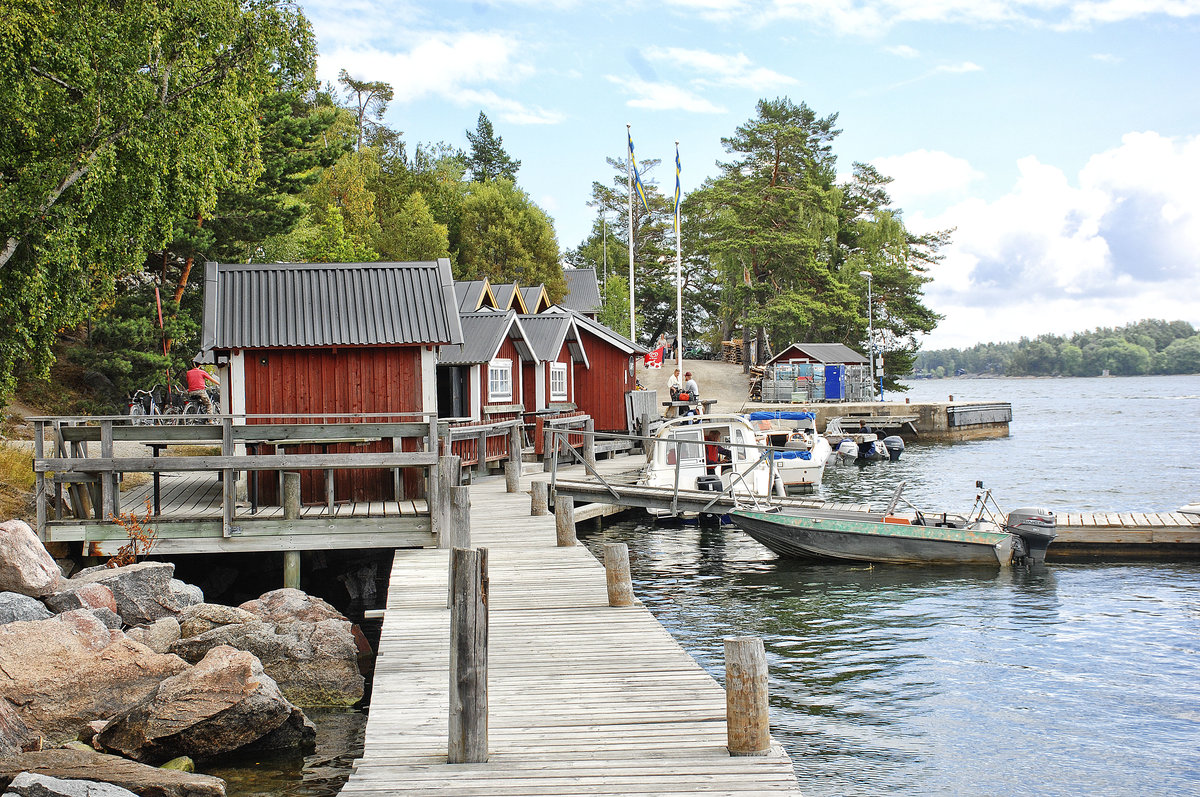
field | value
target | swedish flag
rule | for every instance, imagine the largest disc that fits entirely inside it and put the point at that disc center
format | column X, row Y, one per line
column 637, row 178
column 677, row 188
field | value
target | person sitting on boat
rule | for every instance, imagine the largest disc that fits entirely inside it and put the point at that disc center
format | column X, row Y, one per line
column 715, row 455
column 864, row 429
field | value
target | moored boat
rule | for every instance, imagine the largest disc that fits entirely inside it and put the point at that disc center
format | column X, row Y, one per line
column 802, row 453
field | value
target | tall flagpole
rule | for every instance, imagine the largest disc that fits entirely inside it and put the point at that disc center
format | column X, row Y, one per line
column 678, row 272
column 629, row 174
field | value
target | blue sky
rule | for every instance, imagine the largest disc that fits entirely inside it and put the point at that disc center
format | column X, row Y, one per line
column 1060, row 137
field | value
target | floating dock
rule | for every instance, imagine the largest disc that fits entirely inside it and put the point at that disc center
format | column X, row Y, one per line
column 929, row 422
column 583, row 698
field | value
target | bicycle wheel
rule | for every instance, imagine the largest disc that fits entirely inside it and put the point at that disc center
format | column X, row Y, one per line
column 137, row 414
column 193, row 414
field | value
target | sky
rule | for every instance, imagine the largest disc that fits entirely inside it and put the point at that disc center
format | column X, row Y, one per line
column 1059, row 138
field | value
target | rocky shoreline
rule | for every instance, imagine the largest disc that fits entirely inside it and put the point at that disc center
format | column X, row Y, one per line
column 125, row 676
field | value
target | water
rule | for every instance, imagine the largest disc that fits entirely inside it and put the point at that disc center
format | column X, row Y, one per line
column 1071, row 679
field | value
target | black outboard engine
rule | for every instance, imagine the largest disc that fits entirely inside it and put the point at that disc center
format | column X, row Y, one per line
column 895, row 446
column 1036, row 528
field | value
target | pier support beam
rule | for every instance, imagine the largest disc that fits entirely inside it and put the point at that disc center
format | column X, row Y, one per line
column 564, row 520
column 459, row 531
column 468, row 742
column 539, row 498
column 589, row 442
column 512, row 476
column 616, row 574
column 291, row 511
column 748, row 725
column 447, row 476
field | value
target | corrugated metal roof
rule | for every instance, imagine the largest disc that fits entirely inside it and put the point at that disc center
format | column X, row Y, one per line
column 536, row 298
column 583, row 290
column 508, row 297
column 546, row 333
column 329, row 304
column 821, row 352
column 483, row 333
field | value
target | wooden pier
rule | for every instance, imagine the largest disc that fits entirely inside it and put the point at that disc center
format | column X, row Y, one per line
column 583, row 698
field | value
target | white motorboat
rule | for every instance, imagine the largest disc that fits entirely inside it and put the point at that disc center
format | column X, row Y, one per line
column 853, row 445
column 678, row 460
column 803, row 453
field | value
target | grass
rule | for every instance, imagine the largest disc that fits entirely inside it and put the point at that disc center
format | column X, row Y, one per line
column 16, row 482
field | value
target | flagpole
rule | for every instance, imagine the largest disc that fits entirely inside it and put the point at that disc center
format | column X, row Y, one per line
column 678, row 272
column 629, row 175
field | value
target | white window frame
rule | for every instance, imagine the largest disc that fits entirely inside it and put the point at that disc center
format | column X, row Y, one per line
column 558, row 374
column 500, row 381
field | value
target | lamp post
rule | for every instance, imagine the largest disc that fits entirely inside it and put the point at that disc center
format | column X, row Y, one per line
column 871, row 331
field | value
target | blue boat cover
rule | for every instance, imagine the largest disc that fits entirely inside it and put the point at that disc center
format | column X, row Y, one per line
column 782, row 415
column 793, row 455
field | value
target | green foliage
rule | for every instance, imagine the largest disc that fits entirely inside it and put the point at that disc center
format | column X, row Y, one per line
column 118, row 118
column 614, row 310
column 488, row 160
column 505, row 237
column 1148, row 346
column 412, row 234
column 368, row 101
column 333, row 244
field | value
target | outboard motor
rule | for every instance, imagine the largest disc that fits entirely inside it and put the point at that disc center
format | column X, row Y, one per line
column 1036, row 528
column 846, row 451
column 895, row 446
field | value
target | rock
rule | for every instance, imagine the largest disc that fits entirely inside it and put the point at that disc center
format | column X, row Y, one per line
column 28, row 784
column 315, row 664
column 88, row 732
column 14, row 733
column 142, row 591
column 107, row 616
column 186, row 594
column 78, row 745
column 66, row 671
column 15, row 607
column 25, row 564
column 195, row 620
column 75, row 595
column 222, row 704
column 296, row 733
column 287, row 605
column 182, row 763
column 159, row 636
column 138, row 778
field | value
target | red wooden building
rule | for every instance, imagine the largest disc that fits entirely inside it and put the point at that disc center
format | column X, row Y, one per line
column 480, row 378
column 549, row 384
column 601, row 385
column 336, row 340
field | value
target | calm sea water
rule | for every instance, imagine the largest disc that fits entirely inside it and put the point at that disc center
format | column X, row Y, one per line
column 1072, row 679
column 1066, row 680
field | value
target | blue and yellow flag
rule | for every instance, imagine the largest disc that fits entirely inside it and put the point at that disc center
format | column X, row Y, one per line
column 677, row 188
column 637, row 178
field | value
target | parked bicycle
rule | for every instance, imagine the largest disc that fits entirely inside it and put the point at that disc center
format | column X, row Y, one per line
column 194, row 411
column 143, row 409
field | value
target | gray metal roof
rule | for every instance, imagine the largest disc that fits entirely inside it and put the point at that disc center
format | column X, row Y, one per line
column 601, row 331
column 834, row 353
column 583, row 290
column 473, row 295
column 535, row 297
column 483, row 334
column 263, row 305
column 547, row 333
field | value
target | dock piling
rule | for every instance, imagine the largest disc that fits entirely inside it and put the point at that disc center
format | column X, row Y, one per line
column 616, row 574
column 564, row 521
column 512, row 476
column 291, row 511
column 468, row 738
column 460, row 530
column 748, row 725
column 539, row 498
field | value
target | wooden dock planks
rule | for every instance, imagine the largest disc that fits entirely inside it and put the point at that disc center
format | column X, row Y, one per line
column 583, row 698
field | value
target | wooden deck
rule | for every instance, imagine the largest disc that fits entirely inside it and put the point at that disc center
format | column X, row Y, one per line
column 583, row 698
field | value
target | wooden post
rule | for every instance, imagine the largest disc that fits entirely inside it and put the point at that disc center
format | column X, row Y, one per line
column 514, row 442
column 616, row 573
column 512, row 476
column 108, row 481
column 440, row 505
column 589, row 441
column 229, row 488
column 291, row 511
column 460, row 530
column 564, row 520
column 481, row 467
column 547, row 457
column 748, row 725
column 468, row 743
column 539, row 498
column 39, row 478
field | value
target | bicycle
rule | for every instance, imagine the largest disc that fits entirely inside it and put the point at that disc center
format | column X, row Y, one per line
column 143, row 409
column 194, row 412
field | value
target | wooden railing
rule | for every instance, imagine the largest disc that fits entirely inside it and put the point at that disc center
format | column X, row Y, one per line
column 74, row 479
column 563, row 420
column 478, row 444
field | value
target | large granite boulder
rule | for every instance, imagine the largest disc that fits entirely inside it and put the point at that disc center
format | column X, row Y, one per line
column 303, row 643
column 222, row 704
column 63, row 672
column 158, row 636
column 18, row 608
column 25, row 564
column 140, row 779
column 73, row 595
column 144, row 592
column 195, row 620
column 27, row 784
column 14, row 733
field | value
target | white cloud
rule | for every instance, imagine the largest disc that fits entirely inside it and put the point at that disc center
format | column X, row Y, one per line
column 509, row 110
column 958, row 69
column 656, row 96
column 735, row 71
column 713, row 10
column 1107, row 58
column 440, row 65
column 1116, row 245
column 903, row 50
column 923, row 174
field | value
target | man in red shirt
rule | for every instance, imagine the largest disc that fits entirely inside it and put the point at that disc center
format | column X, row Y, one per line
column 197, row 388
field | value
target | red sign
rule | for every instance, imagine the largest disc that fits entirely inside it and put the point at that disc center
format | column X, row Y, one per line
column 655, row 358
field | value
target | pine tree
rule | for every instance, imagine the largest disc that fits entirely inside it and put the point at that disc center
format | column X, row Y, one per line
column 488, row 160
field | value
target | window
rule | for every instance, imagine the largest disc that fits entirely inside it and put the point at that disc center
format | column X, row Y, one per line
column 500, row 381
column 558, row 381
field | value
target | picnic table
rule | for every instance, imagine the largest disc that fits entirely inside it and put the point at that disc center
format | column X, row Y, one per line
column 675, row 408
